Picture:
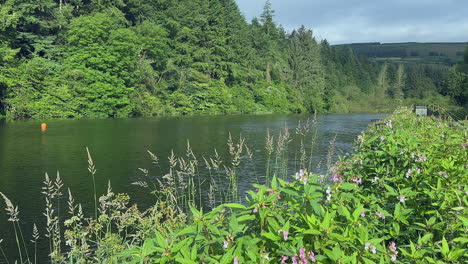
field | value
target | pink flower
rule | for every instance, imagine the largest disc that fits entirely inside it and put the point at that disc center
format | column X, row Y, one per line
column 225, row 244
column 271, row 191
column 278, row 197
column 302, row 255
column 464, row 146
column 363, row 213
column 357, row 180
column 373, row 249
column 236, row 260
column 380, row 215
column 392, row 246
column 255, row 210
column 393, row 249
column 283, row 259
column 294, row 260
column 285, row 235
column 312, row 256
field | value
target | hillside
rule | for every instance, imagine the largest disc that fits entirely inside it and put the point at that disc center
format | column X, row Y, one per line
column 412, row 52
column 88, row 59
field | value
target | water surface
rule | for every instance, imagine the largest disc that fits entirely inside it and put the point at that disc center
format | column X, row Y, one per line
column 118, row 147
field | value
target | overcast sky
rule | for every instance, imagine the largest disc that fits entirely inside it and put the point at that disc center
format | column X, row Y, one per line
column 351, row 21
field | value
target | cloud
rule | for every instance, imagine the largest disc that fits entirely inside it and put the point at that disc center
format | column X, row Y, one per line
column 346, row 21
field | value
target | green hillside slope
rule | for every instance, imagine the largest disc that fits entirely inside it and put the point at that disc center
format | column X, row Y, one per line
column 412, row 52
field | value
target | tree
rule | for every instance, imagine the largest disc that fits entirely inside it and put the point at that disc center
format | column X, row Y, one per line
column 266, row 18
column 382, row 82
column 306, row 73
column 398, row 86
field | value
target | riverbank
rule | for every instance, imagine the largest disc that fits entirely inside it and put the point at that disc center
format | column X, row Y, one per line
column 365, row 105
column 401, row 196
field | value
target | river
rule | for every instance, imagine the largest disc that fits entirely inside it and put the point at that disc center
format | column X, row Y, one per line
column 119, row 148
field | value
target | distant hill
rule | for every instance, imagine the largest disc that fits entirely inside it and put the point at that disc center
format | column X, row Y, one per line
column 412, row 52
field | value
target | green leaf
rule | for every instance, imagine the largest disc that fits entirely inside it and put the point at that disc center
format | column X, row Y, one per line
column 235, row 205
column 271, row 236
column 390, row 190
column 149, row 248
column 445, row 247
column 274, row 183
column 348, row 186
column 188, row 230
column 312, row 232
column 243, row 218
column 185, row 261
column 194, row 252
column 368, row 261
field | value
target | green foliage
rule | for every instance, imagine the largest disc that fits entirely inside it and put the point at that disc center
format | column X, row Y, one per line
column 400, row 198
column 107, row 58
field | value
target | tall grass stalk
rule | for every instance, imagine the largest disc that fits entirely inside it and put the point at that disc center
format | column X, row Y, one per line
column 331, row 152
column 313, row 141
column 13, row 212
column 281, row 161
column 269, row 150
column 92, row 170
column 35, row 238
column 3, row 252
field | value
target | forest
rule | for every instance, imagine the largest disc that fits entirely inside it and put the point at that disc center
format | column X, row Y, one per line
column 122, row 58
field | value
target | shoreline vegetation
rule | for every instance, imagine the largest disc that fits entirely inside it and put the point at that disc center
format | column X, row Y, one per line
column 89, row 59
column 401, row 197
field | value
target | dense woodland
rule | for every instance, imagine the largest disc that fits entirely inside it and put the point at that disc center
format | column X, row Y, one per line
column 118, row 58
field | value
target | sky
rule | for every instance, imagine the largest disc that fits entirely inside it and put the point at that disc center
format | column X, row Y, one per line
column 355, row 21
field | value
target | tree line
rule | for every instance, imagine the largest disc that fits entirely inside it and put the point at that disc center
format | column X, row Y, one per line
column 119, row 58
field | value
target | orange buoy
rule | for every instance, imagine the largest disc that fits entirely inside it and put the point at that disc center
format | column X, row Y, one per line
column 43, row 127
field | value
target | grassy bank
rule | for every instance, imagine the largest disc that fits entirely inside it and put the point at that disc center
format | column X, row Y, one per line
column 401, row 198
